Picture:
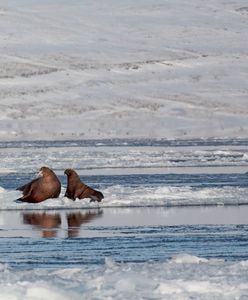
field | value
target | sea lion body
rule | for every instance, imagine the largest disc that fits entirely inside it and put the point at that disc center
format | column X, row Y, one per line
column 77, row 189
column 40, row 189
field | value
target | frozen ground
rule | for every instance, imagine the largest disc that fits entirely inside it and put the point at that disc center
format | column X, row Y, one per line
column 93, row 69
column 138, row 253
column 186, row 240
column 73, row 70
column 182, row 277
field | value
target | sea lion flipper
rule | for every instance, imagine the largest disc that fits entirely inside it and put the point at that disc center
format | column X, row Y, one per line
column 93, row 199
column 26, row 186
column 67, row 194
column 97, row 196
column 92, row 194
column 19, row 200
column 25, row 198
column 21, row 188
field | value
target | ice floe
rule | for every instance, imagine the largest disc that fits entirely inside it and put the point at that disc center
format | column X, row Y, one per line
column 181, row 277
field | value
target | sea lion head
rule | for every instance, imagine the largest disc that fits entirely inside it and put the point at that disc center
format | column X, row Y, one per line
column 70, row 172
column 44, row 171
column 72, row 175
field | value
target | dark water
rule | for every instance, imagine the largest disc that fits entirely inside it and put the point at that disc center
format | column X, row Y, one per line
column 75, row 238
column 11, row 181
column 127, row 142
column 67, row 247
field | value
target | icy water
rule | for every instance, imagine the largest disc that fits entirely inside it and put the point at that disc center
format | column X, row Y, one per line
column 173, row 224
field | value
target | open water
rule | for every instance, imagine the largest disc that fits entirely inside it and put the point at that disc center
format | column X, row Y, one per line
column 174, row 213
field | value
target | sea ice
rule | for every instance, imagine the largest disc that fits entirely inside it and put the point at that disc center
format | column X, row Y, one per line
column 73, row 70
column 118, row 196
column 178, row 278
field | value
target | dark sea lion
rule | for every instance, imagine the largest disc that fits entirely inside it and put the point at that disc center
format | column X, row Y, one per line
column 77, row 189
column 42, row 188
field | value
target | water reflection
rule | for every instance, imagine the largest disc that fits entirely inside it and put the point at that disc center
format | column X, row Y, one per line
column 75, row 220
column 49, row 222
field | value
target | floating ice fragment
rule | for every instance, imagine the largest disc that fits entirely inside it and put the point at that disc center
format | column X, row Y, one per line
column 188, row 259
column 3, row 267
column 109, row 263
column 244, row 263
column 41, row 292
column 168, row 288
column 125, row 285
column 2, row 190
column 245, row 156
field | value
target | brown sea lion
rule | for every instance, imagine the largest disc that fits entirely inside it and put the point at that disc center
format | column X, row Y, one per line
column 77, row 189
column 42, row 188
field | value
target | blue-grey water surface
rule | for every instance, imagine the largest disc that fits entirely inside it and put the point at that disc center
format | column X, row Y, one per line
column 75, row 238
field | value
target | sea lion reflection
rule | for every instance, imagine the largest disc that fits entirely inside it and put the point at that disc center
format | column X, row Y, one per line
column 75, row 220
column 47, row 222
column 50, row 222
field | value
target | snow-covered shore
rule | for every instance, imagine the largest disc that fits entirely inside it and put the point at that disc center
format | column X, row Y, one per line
column 97, row 69
column 182, row 277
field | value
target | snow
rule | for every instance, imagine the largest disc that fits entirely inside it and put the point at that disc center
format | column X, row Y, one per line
column 76, row 70
column 191, row 277
column 126, row 194
column 112, row 69
column 129, row 196
column 104, row 158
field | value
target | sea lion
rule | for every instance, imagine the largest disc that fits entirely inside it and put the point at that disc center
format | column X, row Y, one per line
column 42, row 188
column 77, row 189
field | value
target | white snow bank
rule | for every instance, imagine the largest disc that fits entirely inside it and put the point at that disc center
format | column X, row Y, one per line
column 188, row 259
column 27, row 159
column 124, row 196
column 90, row 69
column 184, row 278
